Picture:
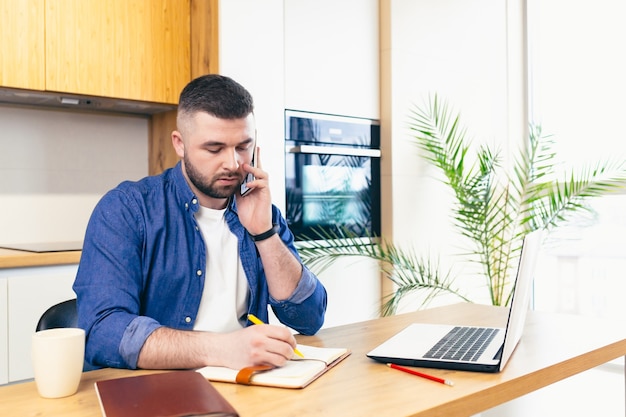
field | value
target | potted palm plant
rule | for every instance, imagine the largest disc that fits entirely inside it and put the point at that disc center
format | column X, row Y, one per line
column 493, row 208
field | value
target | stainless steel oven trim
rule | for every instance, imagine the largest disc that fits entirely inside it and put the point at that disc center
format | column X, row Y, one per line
column 333, row 150
column 329, row 117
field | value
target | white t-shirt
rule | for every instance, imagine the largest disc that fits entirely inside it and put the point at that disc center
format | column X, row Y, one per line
column 225, row 293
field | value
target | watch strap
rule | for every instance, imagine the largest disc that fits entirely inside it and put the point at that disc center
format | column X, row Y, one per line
column 266, row 235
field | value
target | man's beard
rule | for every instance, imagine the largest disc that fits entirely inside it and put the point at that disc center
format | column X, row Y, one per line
column 207, row 186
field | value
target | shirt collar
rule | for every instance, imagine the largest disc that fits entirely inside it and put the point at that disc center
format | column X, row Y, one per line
column 186, row 197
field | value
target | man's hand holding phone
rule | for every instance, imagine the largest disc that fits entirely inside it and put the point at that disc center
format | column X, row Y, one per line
column 255, row 208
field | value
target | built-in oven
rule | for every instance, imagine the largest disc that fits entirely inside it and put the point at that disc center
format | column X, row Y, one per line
column 332, row 174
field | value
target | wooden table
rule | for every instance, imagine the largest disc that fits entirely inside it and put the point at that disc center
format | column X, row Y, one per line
column 548, row 352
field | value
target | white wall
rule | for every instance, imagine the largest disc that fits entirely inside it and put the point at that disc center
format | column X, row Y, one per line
column 469, row 53
column 578, row 85
column 55, row 165
column 456, row 49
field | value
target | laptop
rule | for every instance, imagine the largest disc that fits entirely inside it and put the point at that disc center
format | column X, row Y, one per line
column 489, row 349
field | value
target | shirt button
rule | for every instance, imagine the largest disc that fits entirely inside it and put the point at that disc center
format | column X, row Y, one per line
column 199, row 272
column 194, row 201
column 187, row 319
column 186, row 205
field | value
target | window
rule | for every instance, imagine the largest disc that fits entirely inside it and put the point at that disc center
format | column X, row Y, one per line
column 577, row 71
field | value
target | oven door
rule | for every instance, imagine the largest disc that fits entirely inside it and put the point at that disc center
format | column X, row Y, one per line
column 330, row 188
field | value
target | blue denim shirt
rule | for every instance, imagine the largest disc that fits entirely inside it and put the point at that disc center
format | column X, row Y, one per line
column 143, row 265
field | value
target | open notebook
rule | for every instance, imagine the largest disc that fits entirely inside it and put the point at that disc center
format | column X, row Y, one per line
column 296, row 373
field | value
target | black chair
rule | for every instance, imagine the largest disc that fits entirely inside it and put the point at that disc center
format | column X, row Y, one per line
column 59, row 315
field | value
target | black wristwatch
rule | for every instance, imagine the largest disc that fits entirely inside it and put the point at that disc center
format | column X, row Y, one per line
column 265, row 235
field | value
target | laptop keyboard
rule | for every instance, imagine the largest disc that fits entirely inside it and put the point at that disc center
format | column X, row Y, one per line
column 462, row 343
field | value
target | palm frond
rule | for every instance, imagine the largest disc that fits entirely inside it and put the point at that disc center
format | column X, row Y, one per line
column 562, row 199
column 442, row 139
column 408, row 272
column 323, row 248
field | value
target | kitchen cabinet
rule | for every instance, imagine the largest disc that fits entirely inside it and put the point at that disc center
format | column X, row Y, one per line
column 27, row 293
column 331, row 51
column 204, row 60
column 144, row 50
column 22, row 44
column 137, row 50
column 128, row 49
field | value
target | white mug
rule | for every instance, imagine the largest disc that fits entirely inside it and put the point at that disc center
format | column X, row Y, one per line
column 58, row 356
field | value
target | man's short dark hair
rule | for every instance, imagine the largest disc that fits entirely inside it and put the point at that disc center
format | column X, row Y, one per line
column 217, row 95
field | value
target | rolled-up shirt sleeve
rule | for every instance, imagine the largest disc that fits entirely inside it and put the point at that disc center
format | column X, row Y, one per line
column 304, row 310
column 134, row 338
column 306, row 287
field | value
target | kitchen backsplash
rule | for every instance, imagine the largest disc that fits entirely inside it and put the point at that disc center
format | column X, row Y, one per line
column 55, row 165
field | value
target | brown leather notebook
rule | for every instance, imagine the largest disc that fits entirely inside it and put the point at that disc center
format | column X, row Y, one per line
column 169, row 394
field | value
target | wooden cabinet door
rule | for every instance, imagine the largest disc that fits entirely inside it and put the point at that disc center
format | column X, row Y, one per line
column 22, row 47
column 131, row 49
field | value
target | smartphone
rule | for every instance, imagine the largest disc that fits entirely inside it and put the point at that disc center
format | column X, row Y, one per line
column 249, row 177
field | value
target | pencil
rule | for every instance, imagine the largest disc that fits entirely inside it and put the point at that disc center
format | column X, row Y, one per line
column 254, row 319
column 420, row 374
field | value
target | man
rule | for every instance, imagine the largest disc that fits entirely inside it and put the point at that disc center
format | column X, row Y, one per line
column 172, row 264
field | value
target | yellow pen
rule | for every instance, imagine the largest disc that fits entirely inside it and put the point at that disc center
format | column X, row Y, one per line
column 254, row 319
